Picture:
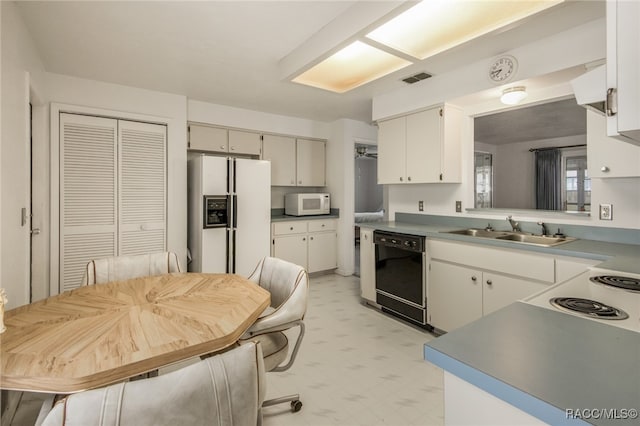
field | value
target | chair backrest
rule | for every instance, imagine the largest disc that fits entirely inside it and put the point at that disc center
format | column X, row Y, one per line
column 100, row 271
column 224, row 390
column 288, row 284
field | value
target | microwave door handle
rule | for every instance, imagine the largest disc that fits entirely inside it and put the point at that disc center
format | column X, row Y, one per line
column 228, row 251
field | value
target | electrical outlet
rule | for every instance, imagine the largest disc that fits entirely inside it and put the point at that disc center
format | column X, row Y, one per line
column 420, row 206
column 606, row 212
column 458, row 206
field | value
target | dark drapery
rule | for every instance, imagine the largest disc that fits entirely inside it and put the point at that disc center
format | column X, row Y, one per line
column 548, row 175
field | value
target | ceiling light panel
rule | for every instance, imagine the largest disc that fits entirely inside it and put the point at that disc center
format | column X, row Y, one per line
column 434, row 26
column 350, row 67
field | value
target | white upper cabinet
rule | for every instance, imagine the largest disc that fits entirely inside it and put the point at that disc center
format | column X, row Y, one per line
column 623, row 69
column 244, row 142
column 422, row 147
column 217, row 139
column 392, row 150
column 310, row 162
column 206, row 138
column 281, row 152
column 295, row 162
column 609, row 157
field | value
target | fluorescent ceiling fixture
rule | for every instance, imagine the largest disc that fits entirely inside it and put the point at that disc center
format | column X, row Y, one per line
column 353, row 66
column 514, row 95
column 434, row 26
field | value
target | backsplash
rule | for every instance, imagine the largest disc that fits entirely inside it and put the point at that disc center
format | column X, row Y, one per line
column 597, row 233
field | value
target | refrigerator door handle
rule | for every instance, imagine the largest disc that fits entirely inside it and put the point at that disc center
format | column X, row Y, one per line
column 233, row 258
column 226, row 269
column 228, row 176
column 234, row 224
column 235, row 169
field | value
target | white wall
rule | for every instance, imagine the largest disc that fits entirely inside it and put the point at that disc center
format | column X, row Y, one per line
column 340, row 171
column 222, row 115
column 82, row 95
column 580, row 45
column 204, row 112
column 514, row 171
column 21, row 70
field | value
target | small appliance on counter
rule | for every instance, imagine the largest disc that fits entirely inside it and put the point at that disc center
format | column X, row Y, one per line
column 307, row 204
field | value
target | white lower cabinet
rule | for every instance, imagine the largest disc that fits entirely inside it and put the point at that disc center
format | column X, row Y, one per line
column 367, row 265
column 467, row 281
column 500, row 290
column 308, row 243
column 455, row 295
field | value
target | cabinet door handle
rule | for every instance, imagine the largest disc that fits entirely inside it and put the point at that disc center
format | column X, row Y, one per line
column 400, row 178
column 409, row 178
column 233, row 148
column 604, row 169
column 474, row 278
column 311, row 238
column 304, row 239
column 489, row 282
column 291, row 228
column 223, row 147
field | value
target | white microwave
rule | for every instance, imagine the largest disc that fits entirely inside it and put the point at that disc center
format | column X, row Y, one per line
column 307, row 204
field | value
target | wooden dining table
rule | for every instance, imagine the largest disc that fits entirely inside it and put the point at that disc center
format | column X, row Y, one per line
column 101, row 334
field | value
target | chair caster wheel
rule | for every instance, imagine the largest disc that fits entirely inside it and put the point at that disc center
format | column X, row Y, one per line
column 296, row 406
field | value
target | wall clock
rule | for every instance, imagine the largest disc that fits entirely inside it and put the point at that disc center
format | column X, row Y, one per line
column 503, row 68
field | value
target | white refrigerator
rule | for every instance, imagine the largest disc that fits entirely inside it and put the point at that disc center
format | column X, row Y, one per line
column 229, row 213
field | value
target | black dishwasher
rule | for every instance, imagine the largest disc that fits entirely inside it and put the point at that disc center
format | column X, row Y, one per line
column 400, row 275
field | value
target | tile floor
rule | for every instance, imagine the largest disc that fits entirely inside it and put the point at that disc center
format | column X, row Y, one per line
column 356, row 366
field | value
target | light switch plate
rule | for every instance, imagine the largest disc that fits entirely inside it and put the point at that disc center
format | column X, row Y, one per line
column 606, row 212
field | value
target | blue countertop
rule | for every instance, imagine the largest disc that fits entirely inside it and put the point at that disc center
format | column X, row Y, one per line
column 545, row 362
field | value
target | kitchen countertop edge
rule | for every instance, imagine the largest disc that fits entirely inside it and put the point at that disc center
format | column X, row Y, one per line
column 537, row 381
column 615, row 256
column 285, row 218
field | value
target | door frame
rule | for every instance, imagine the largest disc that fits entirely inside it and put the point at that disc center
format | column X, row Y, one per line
column 39, row 197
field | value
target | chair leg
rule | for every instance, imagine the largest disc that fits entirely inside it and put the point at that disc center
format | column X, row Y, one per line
column 296, row 404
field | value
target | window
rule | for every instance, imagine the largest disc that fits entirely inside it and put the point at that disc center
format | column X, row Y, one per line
column 483, row 165
column 576, row 194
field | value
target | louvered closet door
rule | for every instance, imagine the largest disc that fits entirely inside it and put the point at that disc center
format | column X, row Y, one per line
column 142, row 195
column 88, row 215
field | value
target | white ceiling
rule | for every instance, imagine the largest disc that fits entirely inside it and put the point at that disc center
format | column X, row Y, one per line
column 231, row 52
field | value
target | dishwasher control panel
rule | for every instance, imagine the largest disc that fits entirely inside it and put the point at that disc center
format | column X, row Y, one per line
column 402, row 241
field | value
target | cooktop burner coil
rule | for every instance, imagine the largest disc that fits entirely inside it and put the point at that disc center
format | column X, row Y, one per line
column 627, row 283
column 589, row 308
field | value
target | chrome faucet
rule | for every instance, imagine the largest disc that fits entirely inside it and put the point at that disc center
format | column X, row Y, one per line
column 544, row 228
column 515, row 226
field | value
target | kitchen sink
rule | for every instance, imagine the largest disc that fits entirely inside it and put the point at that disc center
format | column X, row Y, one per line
column 472, row 232
column 541, row 240
column 519, row 237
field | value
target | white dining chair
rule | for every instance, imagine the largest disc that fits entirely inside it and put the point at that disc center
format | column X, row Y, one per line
column 223, row 390
column 100, row 271
column 288, row 284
